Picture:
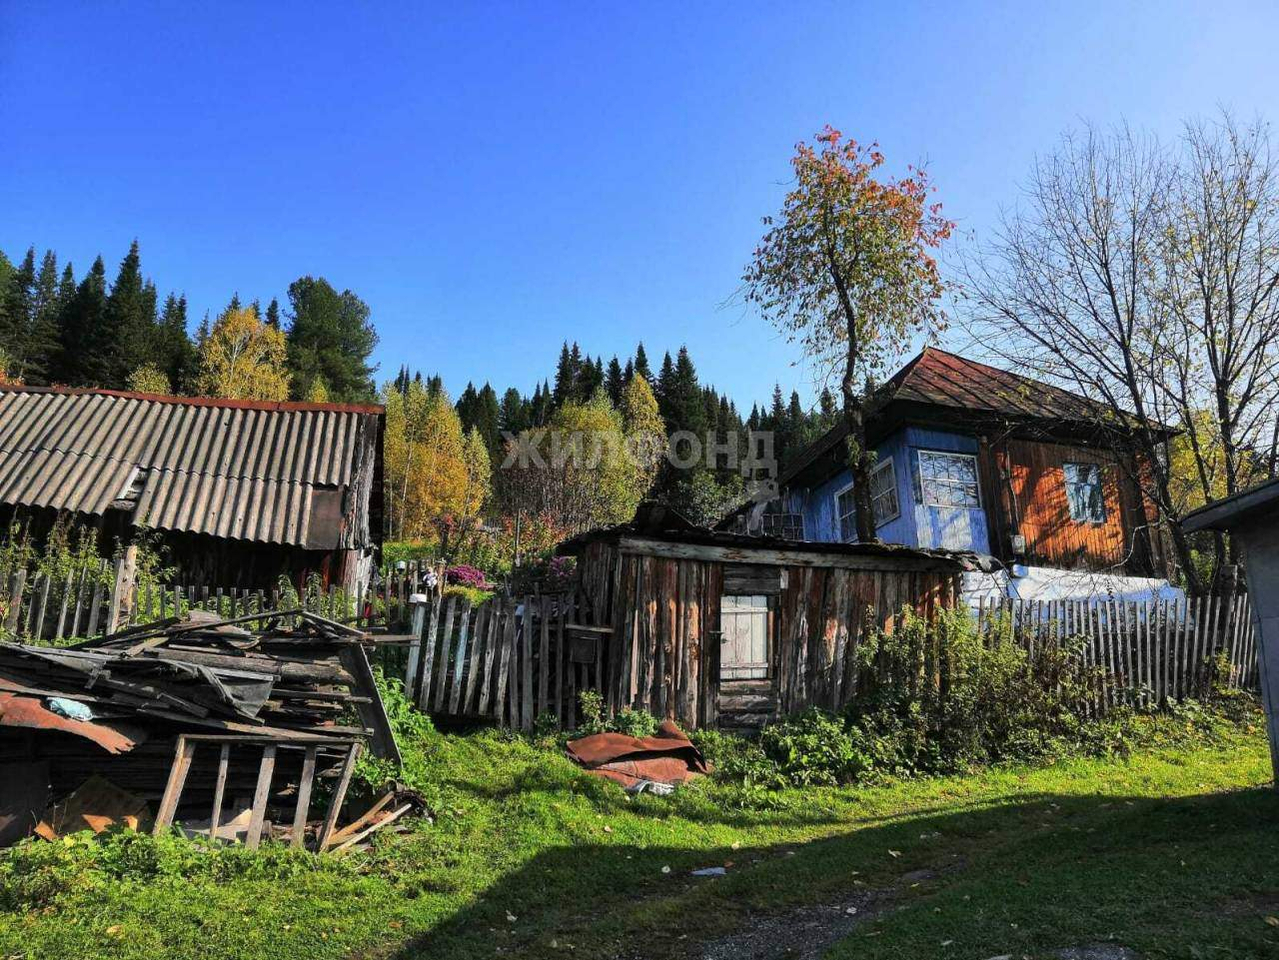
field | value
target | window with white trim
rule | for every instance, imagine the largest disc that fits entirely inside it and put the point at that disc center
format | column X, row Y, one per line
column 1085, row 492
column 883, row 492
column 846, row 507
column 948, row 479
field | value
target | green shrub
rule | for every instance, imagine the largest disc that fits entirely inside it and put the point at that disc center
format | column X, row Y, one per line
column 472, row 595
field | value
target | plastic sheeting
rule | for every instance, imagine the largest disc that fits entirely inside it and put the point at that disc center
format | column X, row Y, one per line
column 1049, row 583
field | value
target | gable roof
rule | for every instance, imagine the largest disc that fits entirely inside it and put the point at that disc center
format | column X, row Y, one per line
column 943, row 381
column 229, row 468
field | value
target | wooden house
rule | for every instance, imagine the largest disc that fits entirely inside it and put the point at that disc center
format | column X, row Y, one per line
column 240, row 492
column 971, row 457
column 715, row 628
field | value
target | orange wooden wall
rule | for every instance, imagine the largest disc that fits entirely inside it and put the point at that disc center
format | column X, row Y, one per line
column 1052, row 537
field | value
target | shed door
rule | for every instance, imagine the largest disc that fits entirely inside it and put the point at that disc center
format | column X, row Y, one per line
column 744, row 622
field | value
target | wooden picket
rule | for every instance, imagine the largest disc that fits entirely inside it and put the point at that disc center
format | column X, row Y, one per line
column 1143, row 653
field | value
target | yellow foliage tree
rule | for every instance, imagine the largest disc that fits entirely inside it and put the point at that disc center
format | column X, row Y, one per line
column 437, row 478
column 149, row 378
column 244, row 359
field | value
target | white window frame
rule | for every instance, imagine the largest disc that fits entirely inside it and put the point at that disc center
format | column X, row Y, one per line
column 885, row 465
column 957, row 455
column 1101, row 486
column 839, row 515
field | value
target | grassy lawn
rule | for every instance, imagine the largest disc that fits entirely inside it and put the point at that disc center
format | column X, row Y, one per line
column 1173, row 852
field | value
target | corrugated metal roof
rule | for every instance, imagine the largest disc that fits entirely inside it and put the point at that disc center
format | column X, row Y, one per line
column 232, row 469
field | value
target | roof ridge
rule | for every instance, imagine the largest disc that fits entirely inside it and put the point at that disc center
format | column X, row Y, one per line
column 221, row 402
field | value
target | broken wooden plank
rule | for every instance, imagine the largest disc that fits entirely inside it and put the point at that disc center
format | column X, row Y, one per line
column 260, row 796
column 339, row 796
column 183, row 752
column 303, row 807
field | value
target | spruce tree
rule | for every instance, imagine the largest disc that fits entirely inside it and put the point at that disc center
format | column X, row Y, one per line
column 513, row 412
column 663, row 387
column 488, row 417
column 465, row 406
column 44, row 322
column 178, row 357
column 641, row 364
column 566, row 375
column 129, row 327
column 330, row 338
column 18, row 313
column 86, row 348
column 613, row 383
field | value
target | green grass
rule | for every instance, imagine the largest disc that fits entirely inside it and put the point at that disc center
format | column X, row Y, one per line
column 1173, row 852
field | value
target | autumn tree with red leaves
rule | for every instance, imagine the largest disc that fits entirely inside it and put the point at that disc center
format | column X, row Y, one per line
column 847, row 270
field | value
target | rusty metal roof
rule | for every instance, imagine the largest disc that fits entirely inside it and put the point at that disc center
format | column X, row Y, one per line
column 236, row 469
column 949, row 380
column 955, row 387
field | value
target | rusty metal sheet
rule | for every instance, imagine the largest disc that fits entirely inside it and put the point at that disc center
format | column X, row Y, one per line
column 668, row 757
column 30, row 713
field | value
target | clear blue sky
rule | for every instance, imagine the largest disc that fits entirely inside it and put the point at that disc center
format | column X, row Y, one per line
column 493, row 179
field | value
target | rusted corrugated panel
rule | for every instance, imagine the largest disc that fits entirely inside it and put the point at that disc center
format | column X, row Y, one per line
column 28, row 712
column 226, row 468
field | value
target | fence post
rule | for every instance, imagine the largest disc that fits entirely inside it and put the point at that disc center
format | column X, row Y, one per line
column 15, row 600
column 126, row 569
column 418, row 601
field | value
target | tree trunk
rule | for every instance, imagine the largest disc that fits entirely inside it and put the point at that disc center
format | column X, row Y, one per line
column 859, row 459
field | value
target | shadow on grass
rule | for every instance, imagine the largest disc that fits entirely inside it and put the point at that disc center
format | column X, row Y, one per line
column 1017, row 874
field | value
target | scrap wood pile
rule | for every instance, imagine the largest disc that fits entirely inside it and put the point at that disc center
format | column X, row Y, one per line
column 214, row 724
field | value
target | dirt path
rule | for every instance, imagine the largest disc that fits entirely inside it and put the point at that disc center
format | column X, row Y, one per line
column 807, row 932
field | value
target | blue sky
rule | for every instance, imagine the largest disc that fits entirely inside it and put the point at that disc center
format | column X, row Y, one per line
column 493, row 179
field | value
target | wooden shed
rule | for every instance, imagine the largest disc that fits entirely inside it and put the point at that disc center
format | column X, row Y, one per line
column 720, row 629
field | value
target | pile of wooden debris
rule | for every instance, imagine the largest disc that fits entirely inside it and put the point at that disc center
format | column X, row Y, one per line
column 212, row 724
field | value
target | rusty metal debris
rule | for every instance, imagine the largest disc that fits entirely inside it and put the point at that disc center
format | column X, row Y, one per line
column 201, row 719
column 641, row 763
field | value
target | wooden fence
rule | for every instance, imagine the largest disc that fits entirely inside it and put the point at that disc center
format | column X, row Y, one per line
column 1142, row 652
column 509, row 660
column 97, row 598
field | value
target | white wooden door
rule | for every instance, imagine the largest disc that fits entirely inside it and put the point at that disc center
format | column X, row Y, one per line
column 744, row 653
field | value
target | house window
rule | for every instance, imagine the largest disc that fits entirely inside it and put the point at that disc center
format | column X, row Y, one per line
column 846, row 507
column 883, row 492
column 788, row 526
column 1084, row 492
column 948, row 479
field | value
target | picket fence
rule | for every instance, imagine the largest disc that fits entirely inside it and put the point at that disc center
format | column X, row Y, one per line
column 1142, row 653
column 513, row 660
column 508, row 659
column 93, row 599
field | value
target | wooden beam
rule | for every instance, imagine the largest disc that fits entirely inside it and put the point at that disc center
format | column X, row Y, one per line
column 260, row 795
column 339, row 795
column 888, row 562
column 183, row 751
column 303, row 807
column 219, row 790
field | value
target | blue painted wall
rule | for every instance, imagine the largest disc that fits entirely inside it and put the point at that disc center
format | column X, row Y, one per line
column 918, row 524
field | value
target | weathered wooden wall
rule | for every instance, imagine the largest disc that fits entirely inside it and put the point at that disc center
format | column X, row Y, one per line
column 663, row 653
